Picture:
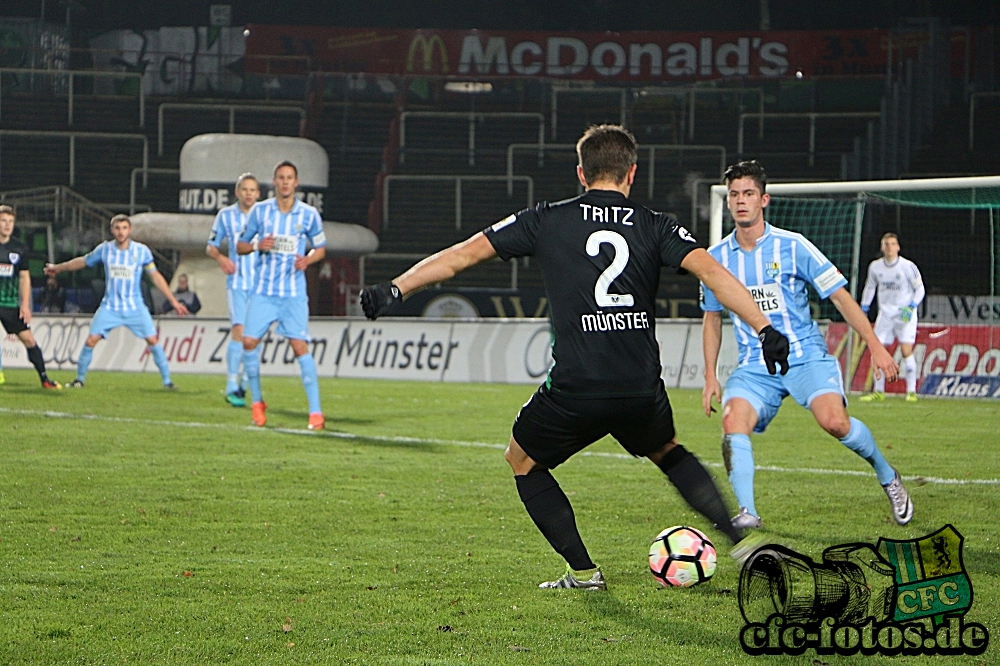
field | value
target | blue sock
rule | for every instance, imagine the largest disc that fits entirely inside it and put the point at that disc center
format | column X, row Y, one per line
column 739, row 462
column 310, row 381
column 251, row 365
column 861, row 441
column 86, row 356
column 234, row 353
column 160, row 358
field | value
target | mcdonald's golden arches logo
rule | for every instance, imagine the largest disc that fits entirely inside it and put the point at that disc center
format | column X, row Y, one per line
column 426, row 46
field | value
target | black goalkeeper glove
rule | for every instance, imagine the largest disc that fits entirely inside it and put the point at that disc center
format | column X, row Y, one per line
column 378, row 300
column 775, row 348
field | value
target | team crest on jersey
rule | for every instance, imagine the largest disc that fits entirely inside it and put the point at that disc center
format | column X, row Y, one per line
column 772, row 269
column 14, row 256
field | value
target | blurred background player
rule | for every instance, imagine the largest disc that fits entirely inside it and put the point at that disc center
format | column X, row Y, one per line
column 775, row 265
column 240, row 271
column 600, row 255
column 124, row 262
column 900, row 291
column 15, row 294
column 280, row 229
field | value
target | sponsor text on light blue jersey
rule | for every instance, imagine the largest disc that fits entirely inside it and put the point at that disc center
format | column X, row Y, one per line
column 292, row 231
column 776, row 272
column 122, row 273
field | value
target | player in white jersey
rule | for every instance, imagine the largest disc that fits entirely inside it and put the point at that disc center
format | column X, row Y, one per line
column 124, row 261
column 900, row 291
column 776, row 265
column 281, row 229
column 240, row 271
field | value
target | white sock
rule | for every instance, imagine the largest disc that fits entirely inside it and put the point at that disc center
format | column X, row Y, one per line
column 910, row 366
column 879, row 384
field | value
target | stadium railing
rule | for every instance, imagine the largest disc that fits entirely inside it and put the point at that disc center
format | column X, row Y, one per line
column 70, row 76
column 459, row 179
column 232, row 108
column 972, row 113
column 649, row 149
column 471, row 117
column 812, row 116
column 72, row 136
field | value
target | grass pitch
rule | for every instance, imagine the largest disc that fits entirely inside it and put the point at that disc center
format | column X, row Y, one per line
column 141, row 526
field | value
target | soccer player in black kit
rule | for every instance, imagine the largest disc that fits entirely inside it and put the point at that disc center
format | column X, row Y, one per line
column 15, row 294
column 600, row 255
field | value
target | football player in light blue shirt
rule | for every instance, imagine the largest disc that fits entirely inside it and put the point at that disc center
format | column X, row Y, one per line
column 124, row 261
column 776, row 265
column 240, row 271
column 281, row 229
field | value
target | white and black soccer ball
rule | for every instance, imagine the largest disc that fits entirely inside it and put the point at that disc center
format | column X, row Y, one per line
column 682, row 557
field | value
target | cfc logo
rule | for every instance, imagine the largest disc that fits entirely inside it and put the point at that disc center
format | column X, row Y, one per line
column 426, row 46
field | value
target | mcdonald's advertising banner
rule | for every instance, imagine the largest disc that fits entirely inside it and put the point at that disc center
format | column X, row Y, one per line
column 514, row 351
column 952, row 361
column 624, row 56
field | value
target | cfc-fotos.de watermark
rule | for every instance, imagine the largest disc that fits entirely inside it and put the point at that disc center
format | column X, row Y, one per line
column 897, row 597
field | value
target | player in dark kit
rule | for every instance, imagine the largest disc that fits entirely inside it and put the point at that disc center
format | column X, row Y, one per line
column 15, row 294
column 600, row 255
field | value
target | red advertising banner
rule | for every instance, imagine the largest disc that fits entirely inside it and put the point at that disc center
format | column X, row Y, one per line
column 955, row 350
column 622, row 56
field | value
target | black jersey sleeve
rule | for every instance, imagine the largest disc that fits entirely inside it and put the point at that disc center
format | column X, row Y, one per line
column 675, row 241
column 515, row 235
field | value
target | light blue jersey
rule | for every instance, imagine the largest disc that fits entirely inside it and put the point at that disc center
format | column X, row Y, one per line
column 122, row 273
column 229, row 225
column 277, row 275
column 776, row 272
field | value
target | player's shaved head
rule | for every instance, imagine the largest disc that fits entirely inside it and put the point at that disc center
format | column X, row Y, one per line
column 747, row 169
column 606, row 152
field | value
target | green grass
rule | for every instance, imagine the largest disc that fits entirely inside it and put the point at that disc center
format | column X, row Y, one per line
column 384, row 551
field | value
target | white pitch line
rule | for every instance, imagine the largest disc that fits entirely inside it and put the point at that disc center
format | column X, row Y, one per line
column 399, row 439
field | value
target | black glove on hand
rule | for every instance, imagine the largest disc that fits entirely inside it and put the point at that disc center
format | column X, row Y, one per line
column 775, row 347
column 377, row 300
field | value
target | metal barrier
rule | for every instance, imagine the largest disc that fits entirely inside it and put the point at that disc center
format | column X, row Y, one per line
column 232, row 108
column 458, row 190
column 651, row 148
column 72, row 136
column 409, row 256
column 71, row 74
column 690, row 93
column 472, row 117
column 972, row 113
column 145, row 181
column 812, row 125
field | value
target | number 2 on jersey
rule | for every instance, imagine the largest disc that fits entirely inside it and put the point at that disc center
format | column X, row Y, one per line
column 617, row 241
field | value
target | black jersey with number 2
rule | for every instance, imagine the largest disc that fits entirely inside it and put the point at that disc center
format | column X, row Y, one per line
column 600, row 255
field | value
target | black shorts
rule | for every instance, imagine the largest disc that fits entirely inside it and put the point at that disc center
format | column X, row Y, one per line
column 11, row 320
column 551, row 427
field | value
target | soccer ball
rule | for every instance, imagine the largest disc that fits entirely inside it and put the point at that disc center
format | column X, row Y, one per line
column 681, row 557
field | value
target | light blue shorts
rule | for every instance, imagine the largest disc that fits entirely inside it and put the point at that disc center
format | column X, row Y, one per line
column 138, row 321
column 238, row 300
column 765, row 392
column 292, row 315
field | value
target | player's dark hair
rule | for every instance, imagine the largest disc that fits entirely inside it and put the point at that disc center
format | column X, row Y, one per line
column 747, row 169
column 9, row 210
column 250, row 176
column 120, row 217
column 284, row 163
column 606, row 151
